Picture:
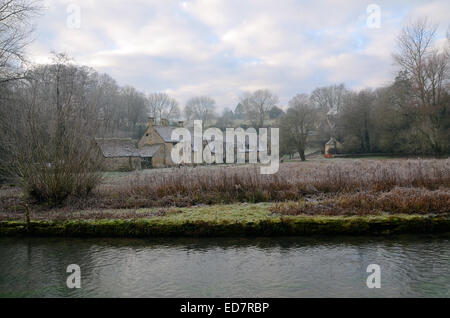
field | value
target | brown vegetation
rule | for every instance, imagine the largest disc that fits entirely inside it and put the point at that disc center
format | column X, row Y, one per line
column 344, row 187
column 293, row 182
column 186, row 187
column 58, row 215
column 397, row 200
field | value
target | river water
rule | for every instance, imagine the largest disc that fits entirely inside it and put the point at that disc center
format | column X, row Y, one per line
column 411, row 266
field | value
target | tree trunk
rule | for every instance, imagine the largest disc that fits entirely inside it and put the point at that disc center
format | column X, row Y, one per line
column 302, row 154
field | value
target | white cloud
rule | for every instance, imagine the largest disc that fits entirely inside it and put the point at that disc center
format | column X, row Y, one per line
column 222, row 48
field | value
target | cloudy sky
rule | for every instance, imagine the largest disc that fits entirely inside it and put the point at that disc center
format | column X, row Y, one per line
column 223, row 48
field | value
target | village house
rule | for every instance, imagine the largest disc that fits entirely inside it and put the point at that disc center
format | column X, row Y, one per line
column 120, row 154
column 156, row 144
column 152, row 151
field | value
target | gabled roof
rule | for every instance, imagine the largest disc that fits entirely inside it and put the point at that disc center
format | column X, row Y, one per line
column 117, row 147
column 148, row 151
column 165, row 132
column 332, row 141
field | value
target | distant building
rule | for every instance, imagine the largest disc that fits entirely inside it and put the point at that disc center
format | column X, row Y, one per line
column 151, row 155
column 152, row 151
column 156, row 144
column 120, row 154
column 332, row 147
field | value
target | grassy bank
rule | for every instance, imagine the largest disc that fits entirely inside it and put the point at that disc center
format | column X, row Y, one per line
column 229, row 220
column 211, row 185
column 360, row 197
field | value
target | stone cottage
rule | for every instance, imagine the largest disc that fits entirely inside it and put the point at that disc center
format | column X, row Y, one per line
column 120, row 154
column 156, row 144
column 158, row 139
column 152, row 151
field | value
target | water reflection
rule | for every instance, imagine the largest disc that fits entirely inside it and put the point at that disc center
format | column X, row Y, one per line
column 415, row 266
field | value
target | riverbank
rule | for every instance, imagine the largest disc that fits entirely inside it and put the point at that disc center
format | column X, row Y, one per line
column 226, row 220
column 355, row 197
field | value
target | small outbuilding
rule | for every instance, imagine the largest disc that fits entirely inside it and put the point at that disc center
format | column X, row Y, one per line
column 332, row 147
column 152, row 156
column 120, row 154
column 156, row 144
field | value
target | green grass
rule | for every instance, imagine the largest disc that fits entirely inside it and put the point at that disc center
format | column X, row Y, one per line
column 230, row 220
column 219, row 213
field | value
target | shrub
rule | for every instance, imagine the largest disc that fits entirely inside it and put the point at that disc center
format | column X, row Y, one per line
column 294, row 181
column 398, row 200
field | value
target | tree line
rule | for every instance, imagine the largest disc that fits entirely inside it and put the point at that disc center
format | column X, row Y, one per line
column 409, row 116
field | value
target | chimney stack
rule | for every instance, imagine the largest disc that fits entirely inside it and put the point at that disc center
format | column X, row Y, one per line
column 163, row 122
column 180, row 123
column 151, row 121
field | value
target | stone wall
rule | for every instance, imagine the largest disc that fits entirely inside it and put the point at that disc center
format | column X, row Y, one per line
column 158, row 158
column 122, row 163
column 151, row 137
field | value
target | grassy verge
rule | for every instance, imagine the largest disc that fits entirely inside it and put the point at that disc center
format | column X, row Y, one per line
column 211, row 185
column 229, row 220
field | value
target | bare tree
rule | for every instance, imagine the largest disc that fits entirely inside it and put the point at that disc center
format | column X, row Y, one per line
column 122, row 110
column 225, row 120
column 200, row 107
column 415, row 49
column 428, row 71
column 328, row 100
column 15, row 30
column 161, row 105
column 357, row 119
column 328, row 97
column 109, row 102
column 300, row 120
column 257, row 106
column 51, row 139
column 133, row 105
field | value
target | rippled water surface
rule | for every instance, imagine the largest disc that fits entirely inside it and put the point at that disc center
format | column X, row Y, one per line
column 413, row 266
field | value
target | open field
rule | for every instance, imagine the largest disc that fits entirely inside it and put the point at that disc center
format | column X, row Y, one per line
column 322, row 187
column 308, row 181
column 339, row 196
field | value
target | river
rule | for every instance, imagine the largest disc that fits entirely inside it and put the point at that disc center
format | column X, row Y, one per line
column 411, row 266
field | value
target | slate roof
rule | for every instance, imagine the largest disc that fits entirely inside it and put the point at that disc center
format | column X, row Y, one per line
column 165, row 132
column 117, row 147
column 149, row 150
